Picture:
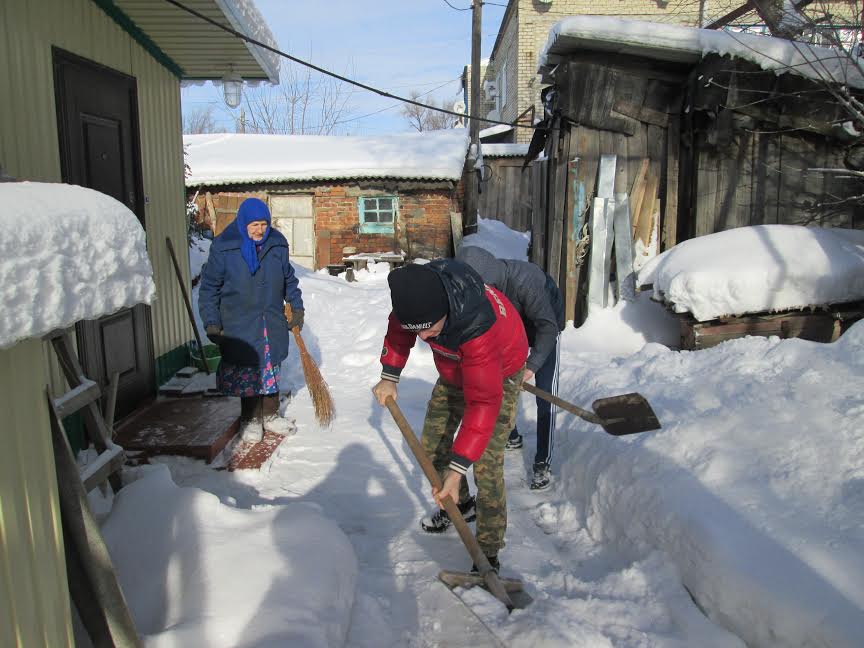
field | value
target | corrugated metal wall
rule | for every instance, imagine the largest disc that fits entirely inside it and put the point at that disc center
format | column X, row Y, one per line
column 34, row 599
column 29, row 147
column 34, row 603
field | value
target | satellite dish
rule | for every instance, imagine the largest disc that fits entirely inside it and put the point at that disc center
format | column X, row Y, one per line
column 459, row 106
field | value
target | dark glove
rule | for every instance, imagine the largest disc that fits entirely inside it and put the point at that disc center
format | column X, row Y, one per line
column 214, row 332
column 296, row 319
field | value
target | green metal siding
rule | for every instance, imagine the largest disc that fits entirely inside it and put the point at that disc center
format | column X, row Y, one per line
column 34, row 598
column 29, row 147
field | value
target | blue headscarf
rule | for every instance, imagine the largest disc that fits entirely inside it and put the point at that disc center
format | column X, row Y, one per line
column 251, row 210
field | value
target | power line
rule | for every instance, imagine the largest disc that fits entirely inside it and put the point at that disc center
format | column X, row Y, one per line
column 378, row 91
column 457, row 8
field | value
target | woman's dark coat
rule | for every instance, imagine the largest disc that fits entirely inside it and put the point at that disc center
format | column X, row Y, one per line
column 235, row 300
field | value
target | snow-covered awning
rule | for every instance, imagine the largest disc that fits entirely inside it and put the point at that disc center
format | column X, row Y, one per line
column 504, row 150
column 196, row 50
column 243, row 159
column 676, row 43
column 67, row 253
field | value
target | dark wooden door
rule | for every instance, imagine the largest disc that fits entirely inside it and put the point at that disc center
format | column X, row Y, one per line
column 98, row 128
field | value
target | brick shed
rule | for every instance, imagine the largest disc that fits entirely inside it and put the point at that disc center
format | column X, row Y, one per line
column 393, row 193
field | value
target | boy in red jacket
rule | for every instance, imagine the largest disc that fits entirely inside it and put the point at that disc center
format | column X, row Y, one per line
column 479, row 345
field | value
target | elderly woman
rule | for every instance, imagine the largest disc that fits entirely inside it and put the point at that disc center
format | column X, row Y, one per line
column 242, row 295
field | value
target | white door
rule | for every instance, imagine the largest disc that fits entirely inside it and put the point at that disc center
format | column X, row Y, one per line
column 292, row 215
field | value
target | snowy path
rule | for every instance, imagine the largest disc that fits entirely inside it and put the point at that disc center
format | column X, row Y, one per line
column 361, row 475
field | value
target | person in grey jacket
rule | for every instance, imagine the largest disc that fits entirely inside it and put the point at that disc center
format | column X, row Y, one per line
column 540, row 305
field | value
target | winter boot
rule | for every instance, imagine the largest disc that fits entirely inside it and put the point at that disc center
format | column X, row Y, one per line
column 273, row 423
column 251, row 428
column 439, row 521
column 493, row 561
column 542, row 477
column 514, row 442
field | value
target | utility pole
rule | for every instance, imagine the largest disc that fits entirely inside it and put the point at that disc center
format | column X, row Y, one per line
column 469, row 219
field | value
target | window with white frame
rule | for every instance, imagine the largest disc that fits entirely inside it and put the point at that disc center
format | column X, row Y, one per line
column 378, row 214
column 501, row 87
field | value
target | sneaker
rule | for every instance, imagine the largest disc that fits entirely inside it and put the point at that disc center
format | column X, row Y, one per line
column 493, row 561
column 251, row 430
column 439, row 521
column 514, row 442
column 542, row 477
column 279, row 425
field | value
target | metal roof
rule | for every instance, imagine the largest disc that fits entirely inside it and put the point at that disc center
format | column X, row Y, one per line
column 196, row 48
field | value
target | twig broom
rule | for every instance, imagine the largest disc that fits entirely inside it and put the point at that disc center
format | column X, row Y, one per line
column 318, row 389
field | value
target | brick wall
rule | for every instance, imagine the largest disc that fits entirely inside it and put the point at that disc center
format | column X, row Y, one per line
column 422, row 226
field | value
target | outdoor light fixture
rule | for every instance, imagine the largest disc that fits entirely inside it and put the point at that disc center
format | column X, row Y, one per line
column 232, row 88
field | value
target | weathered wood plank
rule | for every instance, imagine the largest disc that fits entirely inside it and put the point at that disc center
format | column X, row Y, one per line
column 669, row 237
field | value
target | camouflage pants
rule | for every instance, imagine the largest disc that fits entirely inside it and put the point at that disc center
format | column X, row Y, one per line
column 443, row 415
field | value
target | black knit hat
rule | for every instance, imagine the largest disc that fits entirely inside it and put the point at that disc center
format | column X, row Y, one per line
column 418, row 296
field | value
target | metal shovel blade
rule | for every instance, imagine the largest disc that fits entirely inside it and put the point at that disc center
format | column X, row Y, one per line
column 626, row 414
column 513, row 586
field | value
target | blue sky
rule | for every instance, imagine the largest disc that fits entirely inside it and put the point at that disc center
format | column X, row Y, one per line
column 396, row 45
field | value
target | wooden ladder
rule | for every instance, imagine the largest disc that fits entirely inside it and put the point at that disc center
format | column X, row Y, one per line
column 83, row 396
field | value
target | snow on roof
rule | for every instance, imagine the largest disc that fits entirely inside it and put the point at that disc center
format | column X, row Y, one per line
column 690, row 44
column 239, row 159
column 245, row 18
column 495, row 130
column 759, row 268
column 66, row 254
column 504, row 150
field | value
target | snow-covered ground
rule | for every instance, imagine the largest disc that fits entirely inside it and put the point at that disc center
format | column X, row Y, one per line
column 749, row 499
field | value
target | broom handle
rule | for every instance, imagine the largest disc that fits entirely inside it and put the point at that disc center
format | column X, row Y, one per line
column 485, row 569
column 301, row 346
column 591, row 417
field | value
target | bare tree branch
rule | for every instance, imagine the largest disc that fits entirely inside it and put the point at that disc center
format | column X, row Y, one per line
column 199, row 120
column 423, row 119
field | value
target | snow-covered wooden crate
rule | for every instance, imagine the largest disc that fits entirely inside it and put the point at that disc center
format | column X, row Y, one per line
column 783, row 280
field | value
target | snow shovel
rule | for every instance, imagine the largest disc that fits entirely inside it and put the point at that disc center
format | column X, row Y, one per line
column 617, row 415
column 508, row 590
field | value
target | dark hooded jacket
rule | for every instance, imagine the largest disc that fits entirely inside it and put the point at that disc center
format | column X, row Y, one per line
column 482, row 343
column 531, row 290
column 234, row 299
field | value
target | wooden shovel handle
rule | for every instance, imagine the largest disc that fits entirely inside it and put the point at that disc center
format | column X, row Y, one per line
column 485, row 569
column 591, row 417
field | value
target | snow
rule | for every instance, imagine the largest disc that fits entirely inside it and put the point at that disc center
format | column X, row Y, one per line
column 749, row 498
column 273, row 590
column 759, row 268
column 677, row 42
column 245, row 18
column 67, row 253
column 500, row 240
column 240, row 158
column 495, row 130
column 504, row 150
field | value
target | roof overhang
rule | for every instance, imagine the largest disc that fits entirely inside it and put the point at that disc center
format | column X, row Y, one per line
column 193, row 49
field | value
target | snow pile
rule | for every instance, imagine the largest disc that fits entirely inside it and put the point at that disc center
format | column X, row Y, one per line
column 495, row 237
column 753, row 488
column 675, row 42
column 66, row 254
column 196, row 572
column 504, row 150
column 239, row 158
column 759, row 268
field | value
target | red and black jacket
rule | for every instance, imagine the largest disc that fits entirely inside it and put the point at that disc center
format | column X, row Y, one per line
column 482, row 343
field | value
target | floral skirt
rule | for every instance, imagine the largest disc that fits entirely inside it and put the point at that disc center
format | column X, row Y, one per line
column 239, row 380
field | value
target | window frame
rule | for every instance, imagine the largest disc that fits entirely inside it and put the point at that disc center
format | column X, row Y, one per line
column 375, row 227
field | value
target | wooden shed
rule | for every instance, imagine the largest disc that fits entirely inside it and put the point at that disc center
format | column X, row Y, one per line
column 710, row 131
column 336, row 196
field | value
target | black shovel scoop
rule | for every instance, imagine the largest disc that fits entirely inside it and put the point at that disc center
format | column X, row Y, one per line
column 617, row 415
